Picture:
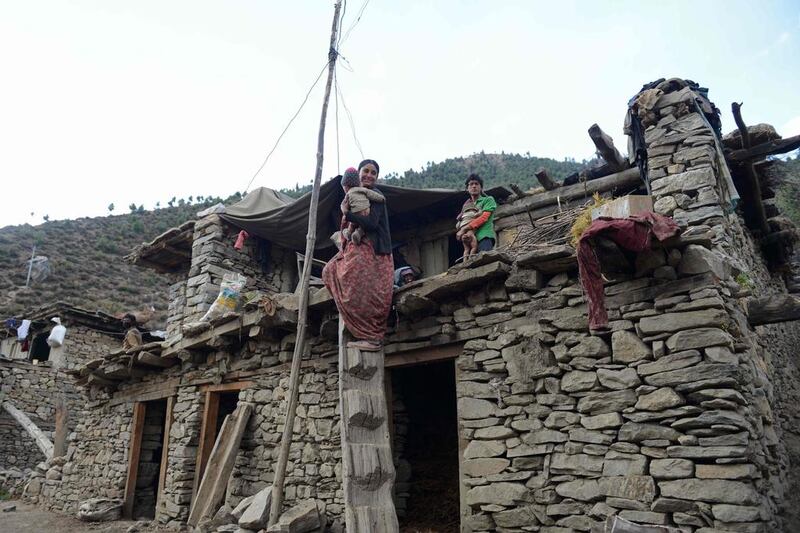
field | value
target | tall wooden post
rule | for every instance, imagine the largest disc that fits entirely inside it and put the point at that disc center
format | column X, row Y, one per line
column 302, row 312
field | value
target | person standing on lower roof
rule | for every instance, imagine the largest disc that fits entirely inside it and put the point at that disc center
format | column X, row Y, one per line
column 483, row 224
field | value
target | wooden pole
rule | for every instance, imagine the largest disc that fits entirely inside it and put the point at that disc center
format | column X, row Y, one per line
column 30, row 267
column 605, row 147
column 302, row 311
column 753, row 195
column 545, row 180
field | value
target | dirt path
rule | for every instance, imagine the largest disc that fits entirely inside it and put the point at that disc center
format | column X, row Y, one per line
column 32, row 519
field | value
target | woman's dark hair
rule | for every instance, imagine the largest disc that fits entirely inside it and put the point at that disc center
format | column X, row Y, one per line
column 473, row 177
column 130, row 316
column 370, row 162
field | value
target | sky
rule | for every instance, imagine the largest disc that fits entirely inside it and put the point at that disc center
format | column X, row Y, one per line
column 108, row 101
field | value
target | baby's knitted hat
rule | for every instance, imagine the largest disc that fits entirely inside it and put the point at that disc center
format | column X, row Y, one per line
column 350, row 178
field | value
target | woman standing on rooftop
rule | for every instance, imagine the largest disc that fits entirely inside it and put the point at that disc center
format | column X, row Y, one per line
column 360, row 276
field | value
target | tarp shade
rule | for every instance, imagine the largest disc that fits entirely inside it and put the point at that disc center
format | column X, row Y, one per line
column 263, row 214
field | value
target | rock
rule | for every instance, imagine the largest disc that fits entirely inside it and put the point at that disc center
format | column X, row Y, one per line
column 306, row 516
column 721, row 354
column 710, row 490
column 484, row 448
column 640, row 488
column 617, row 524
column 671, row 468
column 658, row 400
column 736, row 513
column 544, row 436
column 648, row 260
column 256, row 514
column 690, row 180
column 578, row 381
column 698, row 338
column 740, row 471
column 584, row 490
column 484, row 467
column 578, row 464
column 633, row 432
column 706, row 452
column 561, row 419
column 672, row 322
column 594, row 347
column 673, row 361
column 702, row 372
column 474, row 408
column 648, row 517
column 606, row 402
column 507, row 494
column 100, row 510
column 627, row 347
column 604, row 421
column 618, row 379
column 665, row 205
column 699, row 259
column 517, row 517
column 711, row 418
column 624, row 464
column 9, row 508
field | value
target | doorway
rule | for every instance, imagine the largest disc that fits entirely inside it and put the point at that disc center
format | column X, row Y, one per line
column 218, row 405
column 147, row 459
column 425, row 447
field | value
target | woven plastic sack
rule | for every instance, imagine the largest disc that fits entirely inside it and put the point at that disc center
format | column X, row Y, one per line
column 229, row 297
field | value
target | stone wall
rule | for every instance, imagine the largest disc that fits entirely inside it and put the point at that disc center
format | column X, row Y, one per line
column 213, row 256
column 34, row 390
column 81, row 345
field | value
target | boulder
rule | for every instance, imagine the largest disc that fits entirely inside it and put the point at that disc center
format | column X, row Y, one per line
column 306, row 516
column 100, row 509
column 256, row 515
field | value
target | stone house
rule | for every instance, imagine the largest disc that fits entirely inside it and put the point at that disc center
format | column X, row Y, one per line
column 36, row 382
column 504, row 413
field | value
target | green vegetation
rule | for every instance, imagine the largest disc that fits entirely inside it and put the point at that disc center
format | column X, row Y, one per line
column 744, row 281
column 787, row 197
column 495, row 169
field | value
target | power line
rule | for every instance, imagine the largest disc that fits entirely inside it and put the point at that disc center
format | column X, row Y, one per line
column 355, row 23
column 263, row 163
column 336, row 97
column 349, row 118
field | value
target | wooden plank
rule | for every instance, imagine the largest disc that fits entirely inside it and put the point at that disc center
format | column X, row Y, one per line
column 134, row 451
column 207, row 437
column 220, row 465
column 606, row 149
column 235, row 386
column 62, row 429
column 773, row 309
column 424, row 355
column 545, row 180
column 779, row 146
column 151, row 360
column 367, row 467
column 626, row 179
column 32, row 429
column 162, row 473
column 151, row 390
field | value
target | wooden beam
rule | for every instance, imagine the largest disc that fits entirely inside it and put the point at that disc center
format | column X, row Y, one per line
column 424, row 355
column 772, row 309
column 32, row 429
column 779, row 146
column 208, row 426
column 162, row 473
column 752, row 185
column 624, row 180
column 156, row 361
column 227, row 387
column 134, row 451
column 545, row 180
column 606, row 149
column 147, row 391
column 220, row 465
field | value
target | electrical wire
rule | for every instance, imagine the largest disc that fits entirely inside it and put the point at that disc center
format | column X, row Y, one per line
column 263, row 163
column 349, row 118
column 336, row 109
column 355, row 23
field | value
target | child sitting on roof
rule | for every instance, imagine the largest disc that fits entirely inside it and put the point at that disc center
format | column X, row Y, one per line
column 469, row 212
column 357, row 199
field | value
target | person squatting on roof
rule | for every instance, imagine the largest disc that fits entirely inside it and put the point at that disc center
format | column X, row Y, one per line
column 132, row 337
column 357, row 199
column 359, row 277
column 478, row 234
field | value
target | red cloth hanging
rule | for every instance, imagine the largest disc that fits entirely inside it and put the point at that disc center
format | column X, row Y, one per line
column 243, row 235
column 633, row 233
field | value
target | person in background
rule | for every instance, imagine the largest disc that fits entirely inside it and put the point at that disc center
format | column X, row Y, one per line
column 403, row 276
column 483, row 224
column 133, row 337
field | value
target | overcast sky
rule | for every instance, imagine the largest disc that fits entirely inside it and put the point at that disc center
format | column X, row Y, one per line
column 107, row 101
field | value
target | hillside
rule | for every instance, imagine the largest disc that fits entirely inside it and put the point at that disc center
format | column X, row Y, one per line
column 496, row 169
column 787, row 196
column 86, row 263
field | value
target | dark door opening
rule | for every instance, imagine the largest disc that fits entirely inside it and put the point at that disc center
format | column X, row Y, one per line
column 150, row 456
column 219, row 404
column 425, row 446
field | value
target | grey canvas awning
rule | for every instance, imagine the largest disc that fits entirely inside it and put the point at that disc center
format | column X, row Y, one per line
column 264, row 212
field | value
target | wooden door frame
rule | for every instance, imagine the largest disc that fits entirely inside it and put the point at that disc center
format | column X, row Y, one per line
column 134, row 451
column 209, row 420
column 162, row 474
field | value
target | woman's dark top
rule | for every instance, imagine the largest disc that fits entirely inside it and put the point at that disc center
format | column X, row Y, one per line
column 376, row 226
